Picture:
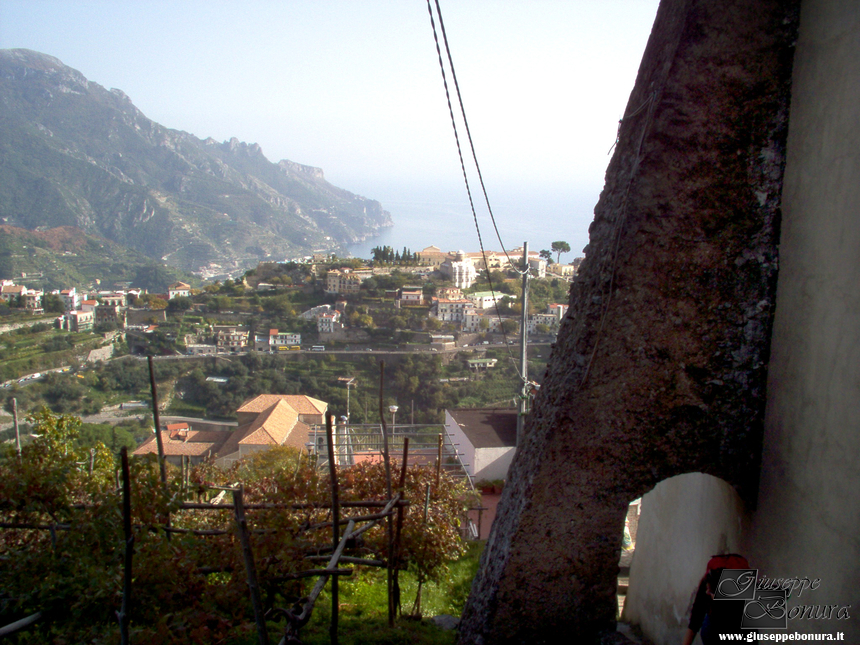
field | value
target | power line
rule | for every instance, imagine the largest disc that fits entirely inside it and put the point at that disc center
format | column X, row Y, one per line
column 525, row 270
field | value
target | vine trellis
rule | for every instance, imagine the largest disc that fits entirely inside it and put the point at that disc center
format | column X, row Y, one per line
column 345, row 550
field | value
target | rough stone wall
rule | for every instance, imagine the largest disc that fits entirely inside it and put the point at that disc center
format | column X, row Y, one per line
column 659, row 367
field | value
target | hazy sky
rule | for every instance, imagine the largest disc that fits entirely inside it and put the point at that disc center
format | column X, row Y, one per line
column 354, row 87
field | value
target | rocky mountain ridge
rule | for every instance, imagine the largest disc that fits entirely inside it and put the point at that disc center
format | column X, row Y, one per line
column 75, row 154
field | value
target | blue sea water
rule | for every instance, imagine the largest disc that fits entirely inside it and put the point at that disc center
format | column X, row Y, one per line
column 450, row 225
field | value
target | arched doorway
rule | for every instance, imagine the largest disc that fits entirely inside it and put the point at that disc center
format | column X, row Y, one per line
column 684, row 520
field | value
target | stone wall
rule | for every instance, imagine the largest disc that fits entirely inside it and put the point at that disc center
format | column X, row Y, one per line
column 660, row 365
column 808, row 512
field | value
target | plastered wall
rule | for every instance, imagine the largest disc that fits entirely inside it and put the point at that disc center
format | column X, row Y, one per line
column 808, row 518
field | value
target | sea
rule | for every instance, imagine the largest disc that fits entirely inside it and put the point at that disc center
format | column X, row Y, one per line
column 450, row 224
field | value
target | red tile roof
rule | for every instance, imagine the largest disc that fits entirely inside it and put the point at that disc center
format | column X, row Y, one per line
column 276, row 424
column 300, row 403
column 196, row 444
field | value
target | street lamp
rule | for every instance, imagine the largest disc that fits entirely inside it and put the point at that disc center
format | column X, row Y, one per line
column 393, row 409
column 349, row 381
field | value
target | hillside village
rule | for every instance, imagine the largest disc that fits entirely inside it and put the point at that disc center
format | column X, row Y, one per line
column 321, row 300
column 431, row 303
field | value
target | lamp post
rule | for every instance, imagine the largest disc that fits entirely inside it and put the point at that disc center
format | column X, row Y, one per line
column 393, row 409
column 349, row 381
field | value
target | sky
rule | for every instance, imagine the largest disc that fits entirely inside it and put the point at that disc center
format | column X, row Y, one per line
column 354, row 87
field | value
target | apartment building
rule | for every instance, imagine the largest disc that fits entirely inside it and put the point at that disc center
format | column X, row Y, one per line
column 346, row 281
column 460, row 270
column 229, row 338
column 451, row 310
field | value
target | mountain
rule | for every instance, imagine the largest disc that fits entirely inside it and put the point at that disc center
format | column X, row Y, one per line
column 64, row 257
column 75, row 154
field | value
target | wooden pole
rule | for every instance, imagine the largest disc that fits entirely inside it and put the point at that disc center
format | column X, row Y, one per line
column 416, row 608
column 11, row 628
column 399, row 529
column 389, row 523
column 162, row 464
column 250, row 569
column 335, row 533
column 124, row 614
column 17, row 431
column 296, row 622
column 157, row 418
column 439, row 462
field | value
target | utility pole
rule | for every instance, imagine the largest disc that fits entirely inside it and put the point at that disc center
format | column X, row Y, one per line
column 524, row 365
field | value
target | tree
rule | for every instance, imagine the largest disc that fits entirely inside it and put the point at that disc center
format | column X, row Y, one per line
column 53, row 304
column 546, row 254
column 509, row 326
column 559, row 248
column 154, row 302
column 179, row 303
column 220, row 303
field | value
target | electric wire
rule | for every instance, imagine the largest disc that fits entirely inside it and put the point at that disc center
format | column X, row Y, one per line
column 471, row 143
column 463, row 168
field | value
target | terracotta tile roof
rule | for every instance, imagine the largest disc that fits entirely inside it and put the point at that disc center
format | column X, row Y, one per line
column 375, row 457
column 232, row 444
column 299, row 436
column 276, row 423
column 299, row 402
column 272, row 426
column 197, row 444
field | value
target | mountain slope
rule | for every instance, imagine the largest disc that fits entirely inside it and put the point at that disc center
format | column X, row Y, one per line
column 75, row 154
column 64, row 257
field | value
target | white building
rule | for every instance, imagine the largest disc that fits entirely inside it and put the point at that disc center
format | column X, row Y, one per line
column 328, row 323
column 559, row 310
column 549, row 320
column 487, row 299
column 537, row 266
column 486, row 440
column 71, row 298
column 178, row 289
column 472, row 321
column 10, row 291
column 452, row 310
column 312, row 314
column 460, row 270
column 279, row 339
column 410, row 296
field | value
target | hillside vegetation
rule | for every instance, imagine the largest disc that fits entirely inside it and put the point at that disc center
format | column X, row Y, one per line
column 66, row 257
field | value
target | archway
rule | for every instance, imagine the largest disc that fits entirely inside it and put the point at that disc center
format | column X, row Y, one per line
column 684, row 520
